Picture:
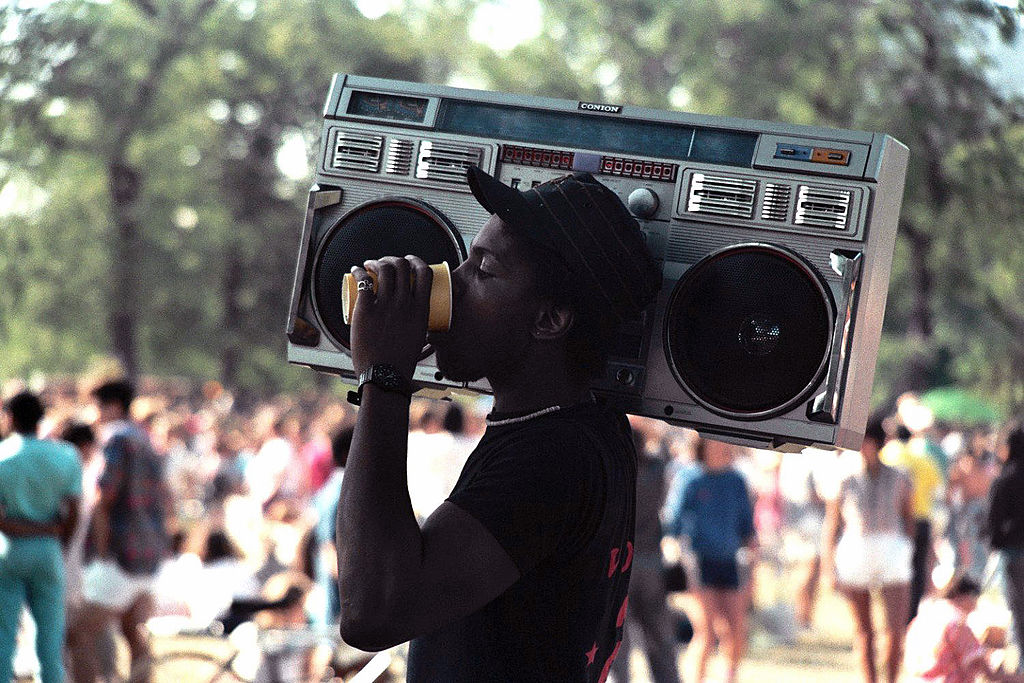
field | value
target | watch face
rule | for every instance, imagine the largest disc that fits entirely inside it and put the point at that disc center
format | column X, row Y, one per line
column 387, row 376
column 384, row 376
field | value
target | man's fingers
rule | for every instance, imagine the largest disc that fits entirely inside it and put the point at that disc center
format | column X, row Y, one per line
column 364, row 283
column 364, row 289
column 403, row 288
column 385, row 277
column 423, row 278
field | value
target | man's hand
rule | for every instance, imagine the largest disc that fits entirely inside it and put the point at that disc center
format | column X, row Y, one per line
column 390, row 326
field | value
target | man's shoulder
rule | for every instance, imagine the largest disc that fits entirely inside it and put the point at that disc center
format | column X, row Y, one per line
column 61, row 450
column 130, row 436
column 43, row 456
column 10, row 447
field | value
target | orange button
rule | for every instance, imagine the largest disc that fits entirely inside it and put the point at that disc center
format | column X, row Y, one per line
column 839, row 157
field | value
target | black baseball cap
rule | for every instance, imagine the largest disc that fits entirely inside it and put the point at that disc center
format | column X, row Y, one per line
column 586, row 224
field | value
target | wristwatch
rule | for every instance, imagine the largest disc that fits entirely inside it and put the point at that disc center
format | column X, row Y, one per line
column 384, row 376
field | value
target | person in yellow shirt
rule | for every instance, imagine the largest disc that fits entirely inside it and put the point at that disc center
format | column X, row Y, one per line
column 927, row 481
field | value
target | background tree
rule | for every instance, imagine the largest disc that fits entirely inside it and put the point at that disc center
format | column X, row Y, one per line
column 917, row 70
column 160, row 125
column 147, row 211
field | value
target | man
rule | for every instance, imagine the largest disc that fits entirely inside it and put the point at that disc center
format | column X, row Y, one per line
column 521, row 575
column 40, row 489
column 129, row 538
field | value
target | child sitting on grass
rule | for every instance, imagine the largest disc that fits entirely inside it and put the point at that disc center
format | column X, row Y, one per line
column 942, row 648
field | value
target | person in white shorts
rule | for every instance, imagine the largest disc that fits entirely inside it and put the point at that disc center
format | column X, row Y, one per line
column 128, row 539
column 868, row 528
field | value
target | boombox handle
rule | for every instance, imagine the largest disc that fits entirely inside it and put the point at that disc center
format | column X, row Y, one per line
column 825, row 406
column 300, row 331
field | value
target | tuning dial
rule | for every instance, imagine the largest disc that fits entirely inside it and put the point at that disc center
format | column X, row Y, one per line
column 642, row 202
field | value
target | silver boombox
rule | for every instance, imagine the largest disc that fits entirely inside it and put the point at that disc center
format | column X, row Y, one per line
column 775, row 242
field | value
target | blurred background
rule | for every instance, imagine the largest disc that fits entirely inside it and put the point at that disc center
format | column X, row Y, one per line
column 154, row 161
column 155, row 155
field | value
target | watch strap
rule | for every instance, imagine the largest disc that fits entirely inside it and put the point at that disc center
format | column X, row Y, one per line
column 384, row 376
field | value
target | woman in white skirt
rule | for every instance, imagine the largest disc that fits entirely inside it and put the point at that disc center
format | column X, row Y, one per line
column 868, row 528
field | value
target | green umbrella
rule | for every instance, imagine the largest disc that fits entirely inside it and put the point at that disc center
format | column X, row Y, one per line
column 951, row 404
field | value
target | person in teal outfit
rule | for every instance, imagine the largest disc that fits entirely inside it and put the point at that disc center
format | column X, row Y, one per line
column 40, row 490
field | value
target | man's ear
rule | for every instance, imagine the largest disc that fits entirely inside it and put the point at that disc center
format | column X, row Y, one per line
column 553, row 320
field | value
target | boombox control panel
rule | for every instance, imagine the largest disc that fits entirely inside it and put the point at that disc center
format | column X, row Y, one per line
column 775, row 243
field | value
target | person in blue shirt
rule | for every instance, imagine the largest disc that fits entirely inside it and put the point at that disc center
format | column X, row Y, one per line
column 718, row 520
column 40, row 493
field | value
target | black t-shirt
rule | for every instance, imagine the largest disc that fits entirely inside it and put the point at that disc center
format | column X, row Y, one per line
column 1005, row 514
column 558, row 493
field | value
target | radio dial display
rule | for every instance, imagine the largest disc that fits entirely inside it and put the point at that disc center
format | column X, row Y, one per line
column 390, row 107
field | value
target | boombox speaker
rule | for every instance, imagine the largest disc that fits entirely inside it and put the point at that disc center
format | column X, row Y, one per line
column 775, row 243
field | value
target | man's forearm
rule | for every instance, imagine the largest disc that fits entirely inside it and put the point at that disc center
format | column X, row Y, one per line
column 101, row 529
column 21, row 528
column 69, row 521
column 378, row 539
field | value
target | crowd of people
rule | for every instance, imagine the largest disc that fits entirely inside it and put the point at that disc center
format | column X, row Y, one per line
column 122, row 504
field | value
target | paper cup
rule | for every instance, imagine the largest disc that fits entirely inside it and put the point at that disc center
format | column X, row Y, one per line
column 440, row 317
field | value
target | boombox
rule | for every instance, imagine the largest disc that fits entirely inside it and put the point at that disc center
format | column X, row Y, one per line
column 775, row 243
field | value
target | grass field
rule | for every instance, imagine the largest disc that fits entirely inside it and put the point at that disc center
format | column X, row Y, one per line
column 776, row 651
column 822, row 654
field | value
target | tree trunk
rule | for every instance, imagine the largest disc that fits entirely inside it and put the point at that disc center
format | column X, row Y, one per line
column 232, row 319
column 125, row 252
column 920, row 326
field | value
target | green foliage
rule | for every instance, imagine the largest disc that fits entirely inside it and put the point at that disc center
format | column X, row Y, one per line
column 191, row 102
column 161, row 120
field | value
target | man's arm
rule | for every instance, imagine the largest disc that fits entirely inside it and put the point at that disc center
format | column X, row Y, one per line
column 61, row 528
column 109, row 487
column 70, row 514
column 22, row 528
column 100, row 528
column 907, row 512
column 997, row 510
column 396, row 580
column 830, row 538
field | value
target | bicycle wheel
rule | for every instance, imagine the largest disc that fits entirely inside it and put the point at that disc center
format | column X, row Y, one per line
column 193, row 667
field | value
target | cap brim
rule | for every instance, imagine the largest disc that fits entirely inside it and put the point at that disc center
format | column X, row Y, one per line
column 498, row 198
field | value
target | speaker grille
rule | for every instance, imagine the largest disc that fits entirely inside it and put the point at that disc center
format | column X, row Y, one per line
column 446, row 162
column 722, row 195
column 776, row 202
column 747, row 330
column 822, row 207
column 399, row 160
column 355, row 151
column 386, row 227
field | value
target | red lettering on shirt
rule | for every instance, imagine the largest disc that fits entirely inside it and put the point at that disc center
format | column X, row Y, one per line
column 591, row 654
column 608, row 664
column 613, row 562
column 629, row 556
column 622, row 613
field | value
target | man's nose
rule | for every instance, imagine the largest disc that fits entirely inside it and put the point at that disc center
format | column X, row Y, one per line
column 458, row 278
